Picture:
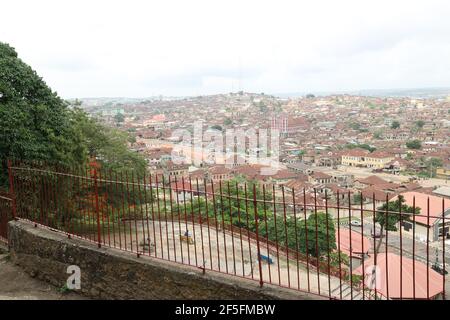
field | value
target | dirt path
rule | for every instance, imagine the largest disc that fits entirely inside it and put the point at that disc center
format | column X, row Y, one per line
column 15, row 284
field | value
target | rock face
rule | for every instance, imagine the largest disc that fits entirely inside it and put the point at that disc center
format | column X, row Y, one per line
column 112, row 274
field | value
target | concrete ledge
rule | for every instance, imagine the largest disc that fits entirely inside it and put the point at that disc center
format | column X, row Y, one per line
column 108, row 273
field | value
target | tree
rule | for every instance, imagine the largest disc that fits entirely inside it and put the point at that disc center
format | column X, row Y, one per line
column 36, row 124
column 395, row 125
column 119, row 118
column 355, row 125
column 420, row 124
column 323, row 242
column 108, row 145
column 364, row 146
column 227, row 121
column 217, row 127
column 377, row 135
column 357, row 198
column 414, row 144
column 388, row 215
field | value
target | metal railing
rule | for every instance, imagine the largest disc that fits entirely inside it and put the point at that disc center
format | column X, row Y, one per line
column 323, row 244
column 5, row 217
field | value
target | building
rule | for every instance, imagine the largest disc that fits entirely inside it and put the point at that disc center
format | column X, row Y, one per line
column 220, row 173
column 320, row 177
column 401, row 277
column 429, row 218
column 353, row 244
column 443, row 172
column 362, row 158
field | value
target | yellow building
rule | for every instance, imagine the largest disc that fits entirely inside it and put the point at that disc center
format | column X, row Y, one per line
column 443, row 173
column 360, row 158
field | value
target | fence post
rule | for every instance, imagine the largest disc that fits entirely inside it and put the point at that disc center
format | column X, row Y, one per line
column 11, row 190
column 97, row 210
column 255, row 209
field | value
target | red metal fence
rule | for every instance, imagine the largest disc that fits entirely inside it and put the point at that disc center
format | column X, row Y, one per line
column 324, row 244
column 5, row 217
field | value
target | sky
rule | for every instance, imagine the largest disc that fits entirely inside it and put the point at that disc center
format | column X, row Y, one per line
column 176, row 47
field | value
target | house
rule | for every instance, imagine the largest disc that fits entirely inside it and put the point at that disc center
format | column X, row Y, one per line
column 375, row 195
column 298, row 185
column 429, row 221
column 443, row 192
column 354, row 158
column 282, row 177
column 397, row 165
column 300, row 167
column 369, row 181
column 320, row 177
column 156, row 157
column 175, row 170
column 220, row 173
column 398, row 277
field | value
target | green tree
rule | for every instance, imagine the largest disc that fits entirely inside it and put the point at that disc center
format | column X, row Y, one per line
column 119, row 118
column 377, row 135
column 36, row 124
column 414, row 144
column 319, row 243
column 420, row 124
column 108, row 145
column 217, row 127
column 388, row 215
column 395, row 124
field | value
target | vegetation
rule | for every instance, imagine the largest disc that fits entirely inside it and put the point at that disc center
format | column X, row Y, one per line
column 420, row 124
column 241, row 213
column 414, row 144
column 119, row 118
column 362, row 146
column 217, row 127
column 377, row 135
column 36, row 124
column 395, row 124
column 388, row 215
column 227, row 122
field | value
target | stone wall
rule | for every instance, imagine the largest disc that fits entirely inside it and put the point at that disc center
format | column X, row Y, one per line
column 108, row 273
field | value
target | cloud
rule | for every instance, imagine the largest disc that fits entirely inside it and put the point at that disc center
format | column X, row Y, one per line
column 138, row 48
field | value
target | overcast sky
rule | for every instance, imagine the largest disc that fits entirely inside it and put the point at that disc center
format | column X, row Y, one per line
column 143, row 48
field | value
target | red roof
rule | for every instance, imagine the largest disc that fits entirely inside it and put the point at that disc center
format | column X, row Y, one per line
column 372, row 180
column 421, row 201
column 359, row 243
column 400, row 280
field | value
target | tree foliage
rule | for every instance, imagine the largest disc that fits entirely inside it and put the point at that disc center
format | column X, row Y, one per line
column 390, row 219
column 395, row 124
column 36, row 124
column 414, row 144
